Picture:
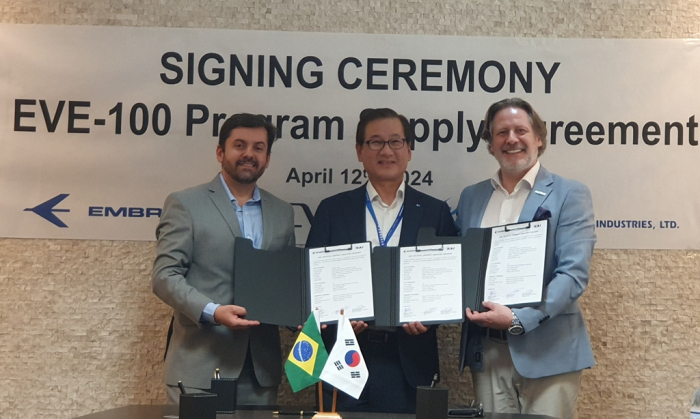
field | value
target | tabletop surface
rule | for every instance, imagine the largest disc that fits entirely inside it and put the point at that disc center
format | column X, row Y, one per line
column 161, row 411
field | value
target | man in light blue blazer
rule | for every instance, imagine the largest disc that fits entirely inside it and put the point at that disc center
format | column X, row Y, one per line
column 193, row 269
column 529, row 360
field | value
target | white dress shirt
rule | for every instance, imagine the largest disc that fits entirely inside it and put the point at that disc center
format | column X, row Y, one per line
column 503, row 207
column 386, row 215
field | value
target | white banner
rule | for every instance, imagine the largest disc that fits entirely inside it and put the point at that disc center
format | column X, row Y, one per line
column 99, row 124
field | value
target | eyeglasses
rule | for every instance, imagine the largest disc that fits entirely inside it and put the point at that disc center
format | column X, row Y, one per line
column 393, row 144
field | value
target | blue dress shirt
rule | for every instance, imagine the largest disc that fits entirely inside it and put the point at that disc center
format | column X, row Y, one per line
column 250, row 220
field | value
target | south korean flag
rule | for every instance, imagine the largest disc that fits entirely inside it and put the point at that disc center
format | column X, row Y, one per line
column 346, row 369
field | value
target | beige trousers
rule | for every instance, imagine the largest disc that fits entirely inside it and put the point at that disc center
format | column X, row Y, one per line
column 501, row 389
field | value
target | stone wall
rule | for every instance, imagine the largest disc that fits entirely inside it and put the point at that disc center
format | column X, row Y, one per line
column 82, row 332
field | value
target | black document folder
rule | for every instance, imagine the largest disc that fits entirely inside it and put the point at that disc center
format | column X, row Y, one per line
column 274, row 285
column 475, row 254
column 386, row 266
column 476, row 246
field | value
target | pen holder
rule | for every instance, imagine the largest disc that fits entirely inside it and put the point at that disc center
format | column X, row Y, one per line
column 431, row 402
column 225, row 389
column 198, row 406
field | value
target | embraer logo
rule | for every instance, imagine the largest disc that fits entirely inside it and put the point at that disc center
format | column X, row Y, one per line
column 46, row 210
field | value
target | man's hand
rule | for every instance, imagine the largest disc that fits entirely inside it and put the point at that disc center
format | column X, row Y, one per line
column 498, row 316
column 233, row 317
column 415, row 328
column 301, row 326
column 358, row 326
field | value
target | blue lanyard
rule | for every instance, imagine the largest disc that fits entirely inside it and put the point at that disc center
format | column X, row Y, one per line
column 382, row 242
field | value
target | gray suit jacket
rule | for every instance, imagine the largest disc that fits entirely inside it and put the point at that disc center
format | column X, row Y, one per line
column 194, row 266
column 555, row 340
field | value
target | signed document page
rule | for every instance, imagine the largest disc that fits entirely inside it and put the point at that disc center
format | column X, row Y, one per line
column 515, row 270
column 430, row 284
column 341, row 277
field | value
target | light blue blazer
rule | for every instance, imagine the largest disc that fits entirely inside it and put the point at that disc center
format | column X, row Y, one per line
column 555, row 340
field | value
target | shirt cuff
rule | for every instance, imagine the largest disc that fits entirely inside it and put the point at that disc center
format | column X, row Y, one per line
column 207, row 316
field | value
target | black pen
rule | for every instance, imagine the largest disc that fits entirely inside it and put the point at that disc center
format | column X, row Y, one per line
column 216, row 374
column 294, row 412
column 182, row 388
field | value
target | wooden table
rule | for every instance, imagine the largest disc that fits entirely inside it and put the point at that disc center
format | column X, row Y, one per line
column 159, row 411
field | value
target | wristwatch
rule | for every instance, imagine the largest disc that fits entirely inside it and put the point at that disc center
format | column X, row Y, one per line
column 516, row 328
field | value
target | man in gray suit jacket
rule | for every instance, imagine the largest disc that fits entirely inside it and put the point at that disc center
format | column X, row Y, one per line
column 529, row 360
column 193, row 269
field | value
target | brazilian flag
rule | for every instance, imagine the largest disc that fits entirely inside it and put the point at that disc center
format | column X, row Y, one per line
column 308, row 357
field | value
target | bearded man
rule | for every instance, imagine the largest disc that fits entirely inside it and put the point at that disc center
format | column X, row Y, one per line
column 529, row 360
column 193, row 269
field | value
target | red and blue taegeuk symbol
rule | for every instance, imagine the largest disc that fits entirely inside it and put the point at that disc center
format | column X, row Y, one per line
column 352, row 358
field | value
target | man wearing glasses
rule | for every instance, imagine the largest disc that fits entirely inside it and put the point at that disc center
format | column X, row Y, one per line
column 387, row 212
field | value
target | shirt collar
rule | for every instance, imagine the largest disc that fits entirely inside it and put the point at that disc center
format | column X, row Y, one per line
column 528, row 179
column 256, row 192
column 374, row 195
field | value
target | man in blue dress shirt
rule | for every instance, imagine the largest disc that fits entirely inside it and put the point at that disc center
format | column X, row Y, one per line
column 193, row 269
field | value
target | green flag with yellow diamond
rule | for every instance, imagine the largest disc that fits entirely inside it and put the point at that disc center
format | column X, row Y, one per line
column 307, row 358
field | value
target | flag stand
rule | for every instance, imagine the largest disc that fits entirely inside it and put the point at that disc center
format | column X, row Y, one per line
column 332, row 414
column 326, row 415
